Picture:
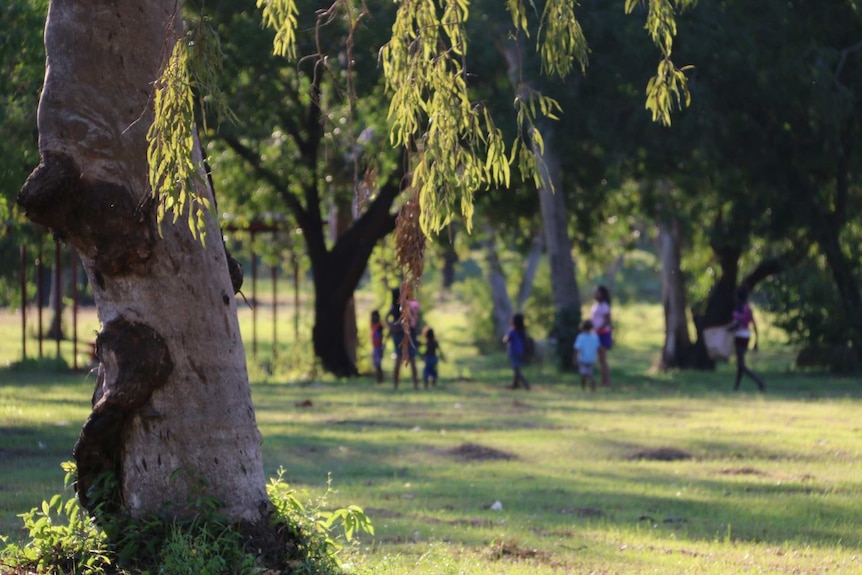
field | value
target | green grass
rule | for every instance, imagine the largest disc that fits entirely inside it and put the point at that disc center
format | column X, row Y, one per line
column 764, row 483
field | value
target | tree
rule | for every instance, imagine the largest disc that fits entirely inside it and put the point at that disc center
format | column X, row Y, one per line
column 172, row 413
column 299, row 141
column 172, row 418
column 779, row 121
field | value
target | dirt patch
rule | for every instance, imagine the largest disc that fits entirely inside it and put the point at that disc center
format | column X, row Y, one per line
column 381, row 513
column 475, row 452
column 741, row 471
column 660, row 454
column 373, row 423
column 588, row 512
column 511, row 550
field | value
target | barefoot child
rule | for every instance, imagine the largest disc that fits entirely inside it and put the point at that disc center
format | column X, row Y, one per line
column 432, row 351
column 515, row 340
column 586, row 351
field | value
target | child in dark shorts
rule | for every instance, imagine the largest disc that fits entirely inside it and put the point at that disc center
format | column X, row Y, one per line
column 433, row 354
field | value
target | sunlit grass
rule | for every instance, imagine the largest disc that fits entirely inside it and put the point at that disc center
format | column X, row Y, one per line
column 761, row 483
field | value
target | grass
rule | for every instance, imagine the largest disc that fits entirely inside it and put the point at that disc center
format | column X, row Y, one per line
column 662, row 473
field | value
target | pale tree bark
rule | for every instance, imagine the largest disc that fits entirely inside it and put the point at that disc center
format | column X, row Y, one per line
column 534, row 256
column 564, row 285
column 502, row 311
column 677, row 347
column 172, row 415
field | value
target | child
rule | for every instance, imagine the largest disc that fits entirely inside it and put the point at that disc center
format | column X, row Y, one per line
column 743, row 317
column 377, row 345
column 601, row 318
column 432, row 349
column 396, row 329
column 586, row 351
column 515, row 340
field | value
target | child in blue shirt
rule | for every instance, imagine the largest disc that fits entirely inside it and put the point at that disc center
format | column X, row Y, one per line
column 586, row 352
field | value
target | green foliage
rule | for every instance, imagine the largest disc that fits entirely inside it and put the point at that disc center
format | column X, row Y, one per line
column 561, row 40
column 808, row 308
column 481, row 330
column 669, row 86
column 62, row 538
column 314, row 527
column 175, row 177
column 205, row 547
column 281, row 16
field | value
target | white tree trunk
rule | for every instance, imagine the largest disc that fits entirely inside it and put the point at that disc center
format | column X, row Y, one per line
column 497, row 281
column 172, row 415
column 533, row 258
column 677, row 342
column 564, row 286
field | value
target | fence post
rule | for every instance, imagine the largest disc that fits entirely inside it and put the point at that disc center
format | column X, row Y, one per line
column 23, row 302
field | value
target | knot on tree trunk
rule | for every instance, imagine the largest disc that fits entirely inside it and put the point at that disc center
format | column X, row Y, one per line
column 104, row 220
column 134, row 362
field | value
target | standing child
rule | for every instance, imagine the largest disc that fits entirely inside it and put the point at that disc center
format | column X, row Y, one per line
column 432, row 351
column 742, row 318
column 601, row 318
column 586, row 351
column 377, row 345
column 397, row 330
column 515, row 340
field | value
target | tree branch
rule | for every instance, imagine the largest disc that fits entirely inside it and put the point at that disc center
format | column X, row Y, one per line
column 270, row 177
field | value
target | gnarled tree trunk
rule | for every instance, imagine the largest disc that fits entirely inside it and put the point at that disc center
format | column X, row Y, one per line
column 172, row 414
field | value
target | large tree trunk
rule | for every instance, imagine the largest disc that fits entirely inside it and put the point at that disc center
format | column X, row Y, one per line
column 172, row 415
column 677, row 348
column 338, row 271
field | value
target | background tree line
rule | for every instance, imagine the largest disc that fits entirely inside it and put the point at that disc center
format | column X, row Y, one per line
column 755, row 184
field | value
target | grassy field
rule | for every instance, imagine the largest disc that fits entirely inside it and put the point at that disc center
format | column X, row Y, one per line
column 661, row 473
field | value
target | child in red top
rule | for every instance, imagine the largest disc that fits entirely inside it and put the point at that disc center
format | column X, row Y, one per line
column 742, row 318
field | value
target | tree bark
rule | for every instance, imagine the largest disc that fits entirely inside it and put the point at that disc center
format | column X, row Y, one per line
column 502, row 304
column 677, row 348
column 172, row 412
column 338, row 271
column 534, row 256
column 564, row 285
column 719, row 304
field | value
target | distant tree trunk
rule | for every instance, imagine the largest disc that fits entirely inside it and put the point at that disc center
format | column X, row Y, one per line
column 342, row 216
column 55, row 304
column 534, row 257
column 172, row 417
column 450, row 258
column 337, row 272
column 828, row 239
column 719, row 304
column 555, row 218
column 677, row 348
column 502, row 310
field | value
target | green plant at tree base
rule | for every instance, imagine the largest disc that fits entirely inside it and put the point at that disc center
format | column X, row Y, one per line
column 64, row 538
